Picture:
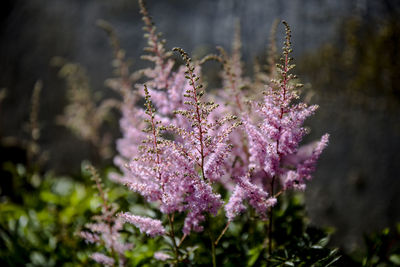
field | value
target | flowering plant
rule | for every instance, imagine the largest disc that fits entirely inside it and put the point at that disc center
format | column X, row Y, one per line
column 186, row 146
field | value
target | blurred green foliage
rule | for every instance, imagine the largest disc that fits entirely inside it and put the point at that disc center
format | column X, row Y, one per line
column 382, row 248
column 40, row 220
column 40, row 228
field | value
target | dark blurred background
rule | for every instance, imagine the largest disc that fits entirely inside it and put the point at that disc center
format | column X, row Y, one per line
column 346, row 52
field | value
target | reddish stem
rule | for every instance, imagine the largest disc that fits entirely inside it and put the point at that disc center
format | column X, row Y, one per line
column 199, row 121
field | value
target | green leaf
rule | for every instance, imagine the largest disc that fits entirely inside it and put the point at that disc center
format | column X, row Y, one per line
column 254, row 254
column 395, row 258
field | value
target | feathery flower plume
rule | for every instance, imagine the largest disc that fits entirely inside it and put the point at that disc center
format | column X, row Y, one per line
column 209, row 136
column 232, row 74
column 146, row 225
column 234, row 82
column 255, row 195
column 83, row 115
column 206, row 144
column 274, row 134
column 263, row 73
column 156, row 172
column 164, row 85
column 105, row 230
column 235, row 205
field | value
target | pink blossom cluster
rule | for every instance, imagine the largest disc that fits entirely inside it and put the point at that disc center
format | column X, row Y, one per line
column 178, row 174
column 149, row 226
column 274, row 130
column 182, row 143
column 105, row 230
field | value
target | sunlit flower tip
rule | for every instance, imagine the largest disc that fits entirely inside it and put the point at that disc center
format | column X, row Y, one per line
column 149, row 226
column 235, row 204
column 271, row 201
column 306, row 168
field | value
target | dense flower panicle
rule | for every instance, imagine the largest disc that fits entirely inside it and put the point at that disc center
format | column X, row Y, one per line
column 274, row 131
column 232, row 74
column 305, row 167
column 205, row 146
column 166, row 171
column 232, row 100
column 201, row 200
column 166, row 88
column 280, row 131
column 235, row 205
column 255, row 195
column 105, row 229
column 208, row 136
column 149, row 226
column 160, row 173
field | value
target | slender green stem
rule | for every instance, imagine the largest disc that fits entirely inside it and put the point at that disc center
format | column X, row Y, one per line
column 214, row 260
column 172, row 234
column 211, row 235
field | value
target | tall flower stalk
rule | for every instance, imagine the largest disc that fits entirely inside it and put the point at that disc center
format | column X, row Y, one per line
column 105, row 230
column 274, row 130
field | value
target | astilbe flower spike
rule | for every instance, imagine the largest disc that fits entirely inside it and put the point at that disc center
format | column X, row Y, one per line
column 208, row 130
column 164, row 85
column 206, row 143
column 155, row 172
column 264, row 72
column 234, row 81
column 105, row 230
column 147, row 225
column 167, row 171
column 83, row 115
column 232, row 73
column 274, row 133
